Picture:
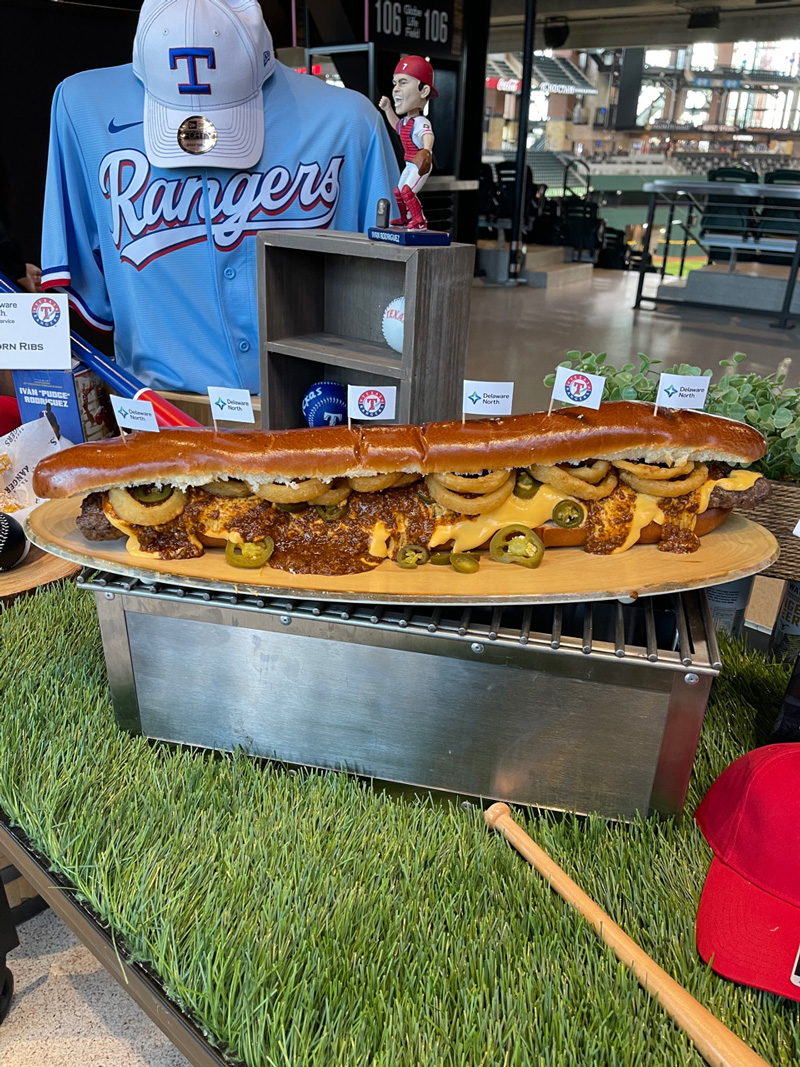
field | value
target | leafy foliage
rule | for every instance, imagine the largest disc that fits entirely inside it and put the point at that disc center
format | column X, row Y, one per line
column 762, row 402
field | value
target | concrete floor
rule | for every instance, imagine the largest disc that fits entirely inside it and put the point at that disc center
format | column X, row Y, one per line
column 520, row 334
column 67, row 1011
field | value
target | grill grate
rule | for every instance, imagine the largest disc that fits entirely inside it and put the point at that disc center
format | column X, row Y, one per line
column 674, row 630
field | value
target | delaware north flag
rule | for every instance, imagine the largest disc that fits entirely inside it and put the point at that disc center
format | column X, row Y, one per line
column 682, row 391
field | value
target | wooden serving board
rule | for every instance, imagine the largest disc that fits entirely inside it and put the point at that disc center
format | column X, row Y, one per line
column 735, row 550
column 38, row 568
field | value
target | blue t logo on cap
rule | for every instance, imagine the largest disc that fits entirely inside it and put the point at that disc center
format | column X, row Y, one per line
column 191, row 55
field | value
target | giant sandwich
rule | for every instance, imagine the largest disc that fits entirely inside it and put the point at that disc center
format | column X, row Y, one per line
column 340, row 500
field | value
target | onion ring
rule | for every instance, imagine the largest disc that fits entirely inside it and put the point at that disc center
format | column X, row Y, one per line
column 476, row 505
column 285, row 494
column 572, row 486
column 373, row 483
column 591, row 472
column 650, row 471
column 233, row 488
column 130, row 510
column 335, row 494
column 406, row 479
column 667, row 489
column 483, row 483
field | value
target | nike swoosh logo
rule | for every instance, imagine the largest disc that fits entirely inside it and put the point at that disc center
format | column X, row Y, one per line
column 114, row 128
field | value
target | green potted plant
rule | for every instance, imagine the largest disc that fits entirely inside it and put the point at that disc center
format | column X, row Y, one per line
column 764, row 402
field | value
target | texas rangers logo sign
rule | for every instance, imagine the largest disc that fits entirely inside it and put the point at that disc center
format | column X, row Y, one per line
column 45, row 311
column 578, row 388
column 372, row 403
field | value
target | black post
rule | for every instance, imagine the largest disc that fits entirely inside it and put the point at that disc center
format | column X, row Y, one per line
column 651, row 214
column 522, row 138
column 667, row 239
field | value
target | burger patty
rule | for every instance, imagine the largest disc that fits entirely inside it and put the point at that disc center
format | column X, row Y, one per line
column 744, row 499
column 92, row 521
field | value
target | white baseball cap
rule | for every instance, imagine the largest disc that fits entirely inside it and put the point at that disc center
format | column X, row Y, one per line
column 202, row 64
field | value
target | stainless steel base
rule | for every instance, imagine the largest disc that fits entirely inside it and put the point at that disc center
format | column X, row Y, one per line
column 593, row 708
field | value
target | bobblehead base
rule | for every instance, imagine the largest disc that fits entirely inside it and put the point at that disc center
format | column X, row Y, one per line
column 397, row 236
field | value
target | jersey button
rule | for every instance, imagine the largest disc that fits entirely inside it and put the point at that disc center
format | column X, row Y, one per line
column 229, row 272
column 244, row 346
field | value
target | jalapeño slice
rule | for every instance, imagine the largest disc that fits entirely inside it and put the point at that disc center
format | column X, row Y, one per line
column 410, row 557
column 251, row 554
column 526, row 487
column 517, row 543
column 568, row 514
column 464, row 562
column 151, row 494
column 332, row 512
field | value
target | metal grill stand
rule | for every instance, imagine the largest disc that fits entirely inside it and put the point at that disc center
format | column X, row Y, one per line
column 592, row 707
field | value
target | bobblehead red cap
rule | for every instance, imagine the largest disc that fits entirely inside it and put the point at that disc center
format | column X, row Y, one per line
column 748, row 922
column 418, row 68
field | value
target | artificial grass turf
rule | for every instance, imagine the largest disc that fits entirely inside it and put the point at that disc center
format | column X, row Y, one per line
column 310, row 919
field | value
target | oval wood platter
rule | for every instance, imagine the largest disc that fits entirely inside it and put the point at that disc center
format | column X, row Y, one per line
column 38, row 568
column 735, row 550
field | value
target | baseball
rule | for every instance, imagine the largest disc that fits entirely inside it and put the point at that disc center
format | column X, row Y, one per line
column 325, row 404
column 13, row 543
column 393, row 323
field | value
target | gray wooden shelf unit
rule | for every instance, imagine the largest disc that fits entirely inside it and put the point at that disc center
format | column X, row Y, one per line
column 322, row 295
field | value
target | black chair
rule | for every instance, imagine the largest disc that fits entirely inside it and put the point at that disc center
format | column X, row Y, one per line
column 729, row 214
column 615, row 253
column 780, row 218
column 533, row 205
column 584, row 227
column 488, row 203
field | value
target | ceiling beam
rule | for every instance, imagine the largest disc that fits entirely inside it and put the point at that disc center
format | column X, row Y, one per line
column 618, row 30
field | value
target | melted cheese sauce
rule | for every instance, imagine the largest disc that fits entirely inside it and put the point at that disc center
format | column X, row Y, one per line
column 379, row 545
column 467, row 534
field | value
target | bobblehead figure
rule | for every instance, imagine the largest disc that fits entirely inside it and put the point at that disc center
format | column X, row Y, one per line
column 412, row 87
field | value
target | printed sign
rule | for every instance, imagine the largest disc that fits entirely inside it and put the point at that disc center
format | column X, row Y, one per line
column 231, row 405
column 682, row 391
column 577, row 387
column 34, row 331
column 134, row 414
column 418, row 28
column 371, row 402
column 487, row 398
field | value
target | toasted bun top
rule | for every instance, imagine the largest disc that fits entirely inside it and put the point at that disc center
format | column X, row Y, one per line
column 186, row 456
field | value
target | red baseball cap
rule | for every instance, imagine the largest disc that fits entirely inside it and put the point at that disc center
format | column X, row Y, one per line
column 748, row 922
column 418, row 68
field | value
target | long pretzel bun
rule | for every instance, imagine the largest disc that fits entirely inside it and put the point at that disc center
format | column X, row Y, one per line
column 188, row 456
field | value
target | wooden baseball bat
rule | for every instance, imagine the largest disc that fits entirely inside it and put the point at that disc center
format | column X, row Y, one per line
column 718, row 1045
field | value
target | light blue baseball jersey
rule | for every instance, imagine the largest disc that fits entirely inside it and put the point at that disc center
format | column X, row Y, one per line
column 167, row 257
